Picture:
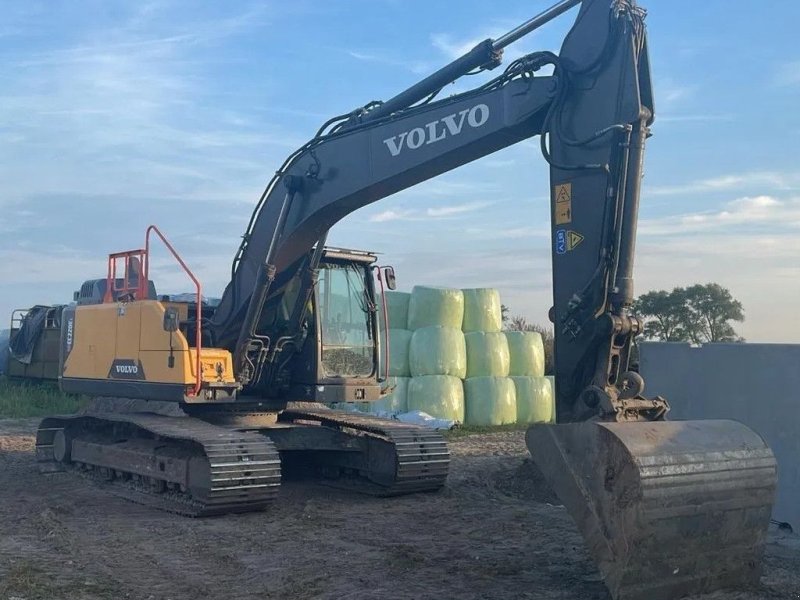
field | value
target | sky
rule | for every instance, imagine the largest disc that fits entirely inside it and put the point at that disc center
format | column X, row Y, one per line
column 115, row 115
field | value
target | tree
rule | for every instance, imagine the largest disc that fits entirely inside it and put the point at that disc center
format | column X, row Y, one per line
column 520, row 323
column 709, row 310
column 697, row 314
column 503, row 313
column 664, row 313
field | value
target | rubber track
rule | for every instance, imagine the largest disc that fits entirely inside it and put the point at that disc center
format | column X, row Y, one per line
column 245, row 467
column 422, row 455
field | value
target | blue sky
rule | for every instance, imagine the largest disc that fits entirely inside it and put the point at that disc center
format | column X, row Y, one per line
column 114, row 115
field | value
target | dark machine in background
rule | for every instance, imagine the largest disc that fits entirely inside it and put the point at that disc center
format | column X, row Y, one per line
column 33, row 344
column 207, row 398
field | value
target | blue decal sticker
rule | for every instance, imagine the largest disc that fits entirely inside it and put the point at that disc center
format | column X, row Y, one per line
column 561, row 241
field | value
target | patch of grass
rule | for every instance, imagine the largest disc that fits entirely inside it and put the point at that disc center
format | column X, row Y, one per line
column 25, row 582
column 21, row 399
column 465, row 430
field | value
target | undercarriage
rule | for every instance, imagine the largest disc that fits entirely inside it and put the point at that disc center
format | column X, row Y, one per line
column 185, row 464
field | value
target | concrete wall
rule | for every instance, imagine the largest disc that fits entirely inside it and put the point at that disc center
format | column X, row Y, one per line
column 757, row 384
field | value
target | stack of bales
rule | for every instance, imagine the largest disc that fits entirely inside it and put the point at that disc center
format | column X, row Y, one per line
column 427, row 353
column 437, row 352
column 489, row 394
column 449, row 357
column 535, row 398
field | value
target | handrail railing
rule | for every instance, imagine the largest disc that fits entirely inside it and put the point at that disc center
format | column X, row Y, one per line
column 17, row 316
column 198, row 311
column 133, row 269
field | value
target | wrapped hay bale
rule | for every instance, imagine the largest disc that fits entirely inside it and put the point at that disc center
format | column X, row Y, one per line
column 399, row 342
column 490, row 401
column 552, row 380
column 526, row 350
column 482, row 310
column 397, row 400
column 396, row 310
column 535, row 400
column 487, row 354
column 438, row 351
column 441, row 396
column 431, row 306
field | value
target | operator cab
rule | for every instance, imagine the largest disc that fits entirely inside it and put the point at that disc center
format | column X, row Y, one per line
column 338, row 358
column 345, row 302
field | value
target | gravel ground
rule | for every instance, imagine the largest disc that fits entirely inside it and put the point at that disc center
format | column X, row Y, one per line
column 496, row 531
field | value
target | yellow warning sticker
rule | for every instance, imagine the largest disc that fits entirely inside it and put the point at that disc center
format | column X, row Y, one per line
column 573, row 240
column 563, row 204
column 567, row 240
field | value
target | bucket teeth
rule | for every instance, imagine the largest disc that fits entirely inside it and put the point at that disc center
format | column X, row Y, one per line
column 666, row 508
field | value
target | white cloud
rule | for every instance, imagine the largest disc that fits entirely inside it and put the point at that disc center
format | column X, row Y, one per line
column 750, row 245
column 746, row 211
column 391, row 215
column 129, row 100
column 788, row 74
column 456, row 209
column 763, row 180
column 453, row 186
column 432, row 213
column 381, row 58
column 498, row 163
column 670, row 92
column 760, row 270
column 57, row 265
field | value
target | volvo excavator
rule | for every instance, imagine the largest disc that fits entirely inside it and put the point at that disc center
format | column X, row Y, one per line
column 199, row 405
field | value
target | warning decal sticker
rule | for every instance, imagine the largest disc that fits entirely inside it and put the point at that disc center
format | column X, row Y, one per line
column 566, row 241
column 563, row 204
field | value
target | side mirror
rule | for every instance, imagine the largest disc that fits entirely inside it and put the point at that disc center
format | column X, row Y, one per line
column 171, row 322
column 391, row 280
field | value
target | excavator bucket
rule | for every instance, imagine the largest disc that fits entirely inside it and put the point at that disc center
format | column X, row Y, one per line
column 666, row 508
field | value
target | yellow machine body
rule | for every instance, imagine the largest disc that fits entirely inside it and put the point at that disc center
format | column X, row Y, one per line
column 122, row 348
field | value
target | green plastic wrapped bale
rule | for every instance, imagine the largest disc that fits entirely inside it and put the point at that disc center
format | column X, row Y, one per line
column 482, row 311
column 399, row 342
column 431, row 306
column 535, row 400
column 527, row 353
column 397, row 400
column 438, row 351
column 440, row 396
column 552, row 381
column 487, row 354
column 490, row 401
column 396, row 309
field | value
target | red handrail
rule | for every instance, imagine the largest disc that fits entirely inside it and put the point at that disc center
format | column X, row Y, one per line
column 138, row 291
column 198, row 311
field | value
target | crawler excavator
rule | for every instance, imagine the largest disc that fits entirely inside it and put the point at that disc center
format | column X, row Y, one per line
column 199, row 407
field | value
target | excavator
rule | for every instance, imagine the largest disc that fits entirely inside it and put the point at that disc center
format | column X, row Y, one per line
column 199, row 406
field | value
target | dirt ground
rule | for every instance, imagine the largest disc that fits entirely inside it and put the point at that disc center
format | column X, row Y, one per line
column 495, row 531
